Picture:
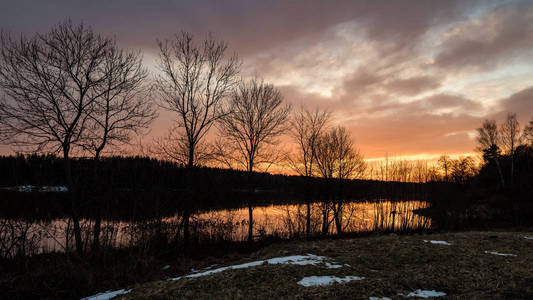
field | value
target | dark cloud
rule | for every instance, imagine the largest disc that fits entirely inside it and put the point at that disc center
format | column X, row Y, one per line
column 497, row 36
column 520, row 103
column 296, row 97
column 362, row 81
column 449, row 101
column 250, row 26
column 413, row 86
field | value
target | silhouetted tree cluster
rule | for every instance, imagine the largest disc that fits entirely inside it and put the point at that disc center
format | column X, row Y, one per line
column 306, row 128
column 460, row 170
column 70, row 89
column 499, row 146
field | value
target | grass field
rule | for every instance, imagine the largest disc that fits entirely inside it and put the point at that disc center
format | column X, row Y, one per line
column 389, row 264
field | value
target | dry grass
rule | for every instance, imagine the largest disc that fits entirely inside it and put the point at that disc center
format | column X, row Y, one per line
column 390, row 264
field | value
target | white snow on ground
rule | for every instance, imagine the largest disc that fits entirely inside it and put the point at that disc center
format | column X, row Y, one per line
column 528, row 237
column 438, row 242
column 326, row 280
column 165, row 267
column 332, row 266
column 107, row 295
column 498, row 253
column 423, row 294
column 301, row 260
column 379, row 298
column 32, row 188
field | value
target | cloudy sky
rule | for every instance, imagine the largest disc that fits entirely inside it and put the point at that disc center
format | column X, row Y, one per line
column 407, row 78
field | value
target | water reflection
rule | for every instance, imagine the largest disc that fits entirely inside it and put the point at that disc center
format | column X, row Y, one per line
column 290, row 220
column 285, row 221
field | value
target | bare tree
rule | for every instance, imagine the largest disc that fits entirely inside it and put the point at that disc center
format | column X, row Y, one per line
column 488, row 143
column 196, row 79
column 52, row 82
column 174, row 146
column 124, row 109
column 527, row 134
column 257, row 118
column 337, row 158
column 511, row 138
column 463, row 169
column 306, row 127
column 445, row 164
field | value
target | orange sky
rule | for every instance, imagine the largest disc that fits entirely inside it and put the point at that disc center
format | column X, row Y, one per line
column 407, row 78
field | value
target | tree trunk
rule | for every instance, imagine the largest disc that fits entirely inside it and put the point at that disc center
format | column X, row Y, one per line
column 188, row 201
column 98, row 217
column 502, row 181
column 325, row 219
column 186, row 216
column 96, row 232
column 73, row 202
column 250, row 222
column 337, row 217
column 308, row 221
column 250, row 206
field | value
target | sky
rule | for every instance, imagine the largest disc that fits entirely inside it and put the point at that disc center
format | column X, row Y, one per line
column 406, row 78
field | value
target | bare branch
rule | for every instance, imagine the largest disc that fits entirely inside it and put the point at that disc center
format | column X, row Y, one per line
column 196, row 80
column 256, row 119
column 336, row 157
column 51, row 82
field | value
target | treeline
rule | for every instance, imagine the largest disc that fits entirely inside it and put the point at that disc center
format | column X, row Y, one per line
column 139, row 187
column 505, row 177
column 496, row 192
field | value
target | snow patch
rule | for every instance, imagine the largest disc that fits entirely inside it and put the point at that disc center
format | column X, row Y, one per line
column 107, row 295
column 165, row 267
column 300, row 260
column 498, row 253
column 423, row 294
column 332, row 266
column 379, row 298
column 326, row 280
column 528, row 237
column 438, row 242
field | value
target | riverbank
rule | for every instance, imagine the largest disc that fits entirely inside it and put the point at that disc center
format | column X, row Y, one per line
column 494, row 265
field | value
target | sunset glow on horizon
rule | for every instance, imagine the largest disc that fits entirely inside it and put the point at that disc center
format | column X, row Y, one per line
column 408, row 79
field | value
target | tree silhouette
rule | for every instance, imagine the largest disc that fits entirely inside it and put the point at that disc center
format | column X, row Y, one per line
column 528, row 133
column 337, row 159
column 511, row 138
column 55, row 83
column 463, row 169
column 306, row 127
column 445, row 164
column 488, row 143
column 195, row 82
column 256, row 118
column 124, row 109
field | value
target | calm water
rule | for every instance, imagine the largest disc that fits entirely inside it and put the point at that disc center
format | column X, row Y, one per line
column 284, row 221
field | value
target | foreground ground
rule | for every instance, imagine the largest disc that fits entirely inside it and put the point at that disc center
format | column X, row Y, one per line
column 473, row 266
